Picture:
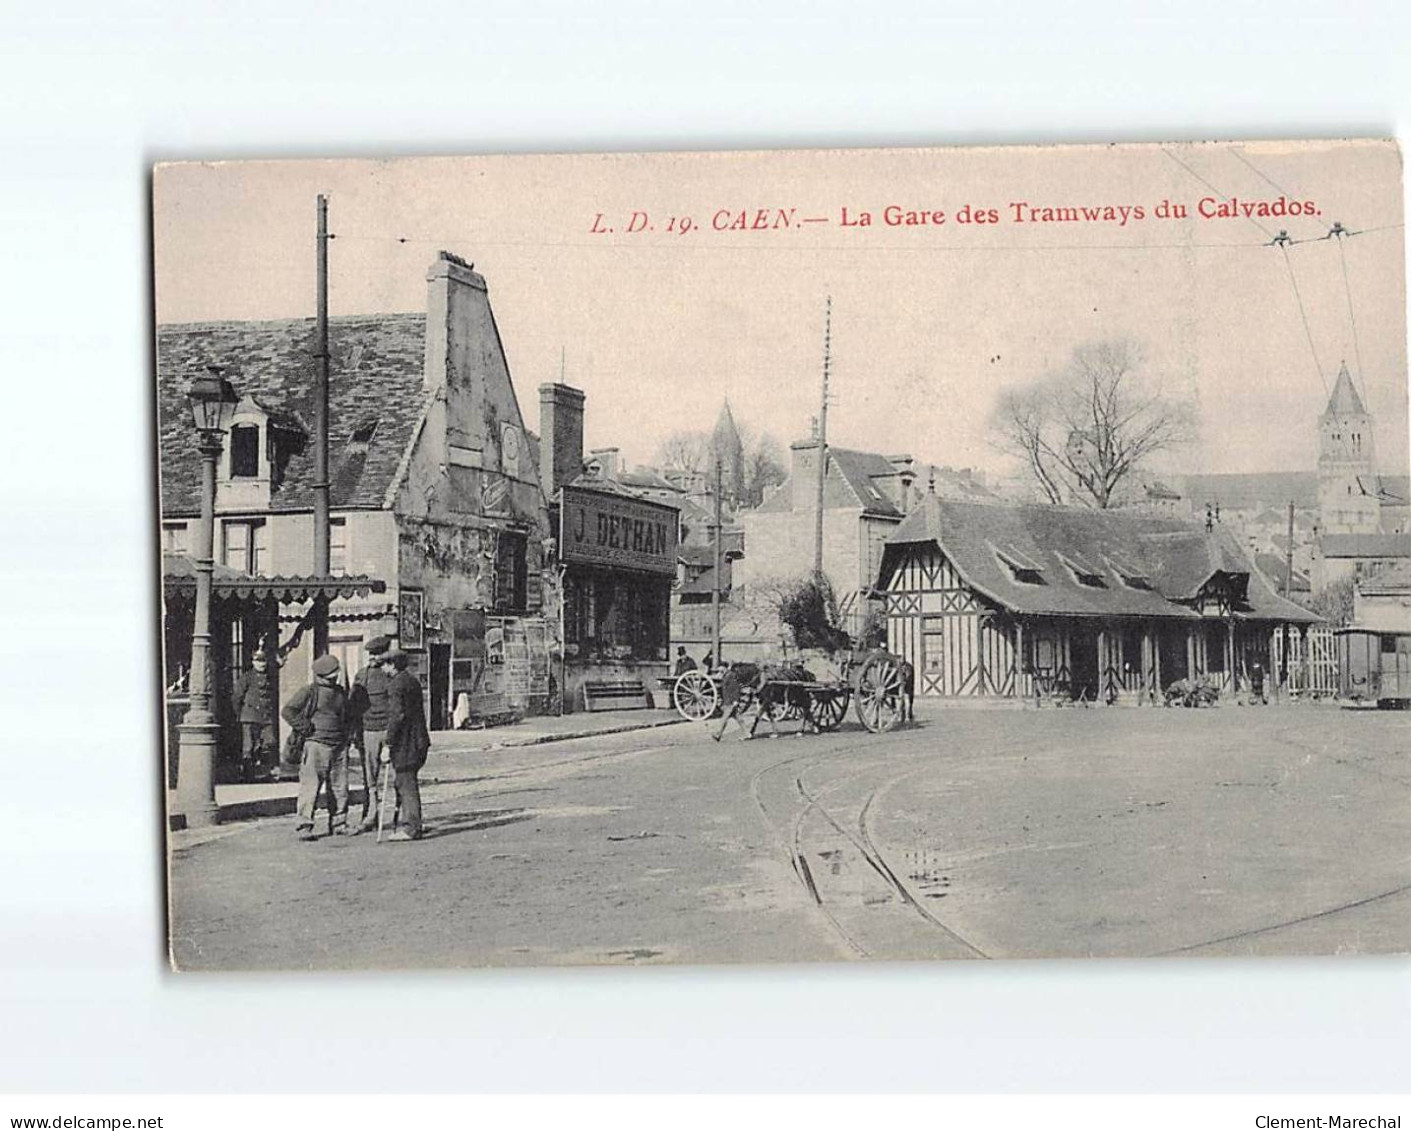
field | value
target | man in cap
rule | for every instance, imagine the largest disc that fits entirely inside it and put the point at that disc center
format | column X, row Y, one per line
column 407, row 740
column 319, row 712
column 367, row 707
column 254, row 710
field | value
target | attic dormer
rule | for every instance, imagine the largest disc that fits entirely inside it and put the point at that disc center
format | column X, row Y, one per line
column 245, row 473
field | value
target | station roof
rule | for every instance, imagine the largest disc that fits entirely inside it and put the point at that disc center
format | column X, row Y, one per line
column 179, row 580
column 1071, row 561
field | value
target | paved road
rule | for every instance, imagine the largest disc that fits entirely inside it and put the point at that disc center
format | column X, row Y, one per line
column 973, row 834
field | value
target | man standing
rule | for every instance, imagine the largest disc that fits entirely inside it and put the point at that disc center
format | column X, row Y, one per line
column 684, row 663
column 407, row 741
column 319, row 712
column 368, row 706
column 254, row 710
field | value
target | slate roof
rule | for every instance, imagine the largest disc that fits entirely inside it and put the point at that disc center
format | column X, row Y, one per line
column 1344, row 400
column 1366, row 546
column 644, row 478
column 1242, row 492
column 848, row 484
column 375, row 373
column 1395, row 581
column 1274, row 567
column 704, row 583
column 1394, row 488
column 1167, row 559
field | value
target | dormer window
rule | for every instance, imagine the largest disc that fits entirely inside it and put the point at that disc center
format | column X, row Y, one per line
column 363, row 433
column 1021, row 567
column 1083, row 573
column 244, row 451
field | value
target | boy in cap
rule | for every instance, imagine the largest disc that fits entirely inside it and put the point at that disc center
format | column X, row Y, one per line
column 407, row 740
column 368, row 707
column 319, row 711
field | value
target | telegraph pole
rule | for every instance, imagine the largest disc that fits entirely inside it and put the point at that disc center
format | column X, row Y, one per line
column 715, row 585
column 321, row 536
column 823, row 437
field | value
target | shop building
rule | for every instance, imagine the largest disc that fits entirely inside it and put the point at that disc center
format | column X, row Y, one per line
column 434, row 492
column 618, row 560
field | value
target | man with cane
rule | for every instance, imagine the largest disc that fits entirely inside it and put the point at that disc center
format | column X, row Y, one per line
column 407, row 742
column 368, row 706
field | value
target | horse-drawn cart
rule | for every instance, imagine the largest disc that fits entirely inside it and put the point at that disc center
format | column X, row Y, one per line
column 877, row 687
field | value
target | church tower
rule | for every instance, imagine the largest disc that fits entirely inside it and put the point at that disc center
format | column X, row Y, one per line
column 1348, row 500
column 725, row 445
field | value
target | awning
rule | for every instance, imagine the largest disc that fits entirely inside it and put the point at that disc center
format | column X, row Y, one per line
column 179, row 580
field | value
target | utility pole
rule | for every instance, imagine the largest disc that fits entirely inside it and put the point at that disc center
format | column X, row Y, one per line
column 719, row 558
column 1288, row 590
column 823, row 438
column 321, row 537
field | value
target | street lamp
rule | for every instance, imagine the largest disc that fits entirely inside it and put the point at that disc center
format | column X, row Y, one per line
column 212, row 402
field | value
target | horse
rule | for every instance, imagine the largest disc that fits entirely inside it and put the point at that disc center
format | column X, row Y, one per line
column 746, row 685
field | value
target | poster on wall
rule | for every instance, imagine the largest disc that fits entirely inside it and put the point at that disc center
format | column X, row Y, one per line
column 985, row 426
column 410, row 614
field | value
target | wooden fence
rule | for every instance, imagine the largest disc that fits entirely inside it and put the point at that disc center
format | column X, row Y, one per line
column 1313, row 661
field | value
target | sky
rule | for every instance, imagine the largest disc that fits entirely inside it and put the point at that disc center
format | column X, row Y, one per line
column 930, row 321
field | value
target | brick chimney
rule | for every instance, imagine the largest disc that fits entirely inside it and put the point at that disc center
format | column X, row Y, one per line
column 560, row 435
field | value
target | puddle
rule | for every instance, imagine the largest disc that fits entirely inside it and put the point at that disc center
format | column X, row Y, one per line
column 636, row 955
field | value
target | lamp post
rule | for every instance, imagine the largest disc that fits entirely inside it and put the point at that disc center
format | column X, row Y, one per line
column 212, row 402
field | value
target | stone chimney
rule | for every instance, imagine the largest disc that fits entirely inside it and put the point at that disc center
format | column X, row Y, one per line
column 609, row 459
column 904, row 476
column 803, row 472
column 457, row 307
column 560, row 436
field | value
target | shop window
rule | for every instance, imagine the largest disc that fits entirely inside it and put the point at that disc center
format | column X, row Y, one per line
column 245, row 546
column 245, row 451
column 338, row 546
column 512, row 572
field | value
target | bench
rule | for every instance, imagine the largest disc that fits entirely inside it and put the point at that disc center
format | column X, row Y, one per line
column 615, row 695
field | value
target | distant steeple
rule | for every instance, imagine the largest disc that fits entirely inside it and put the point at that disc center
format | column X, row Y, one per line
column 725, row 445
column 1344, row 400
column 1348, row 489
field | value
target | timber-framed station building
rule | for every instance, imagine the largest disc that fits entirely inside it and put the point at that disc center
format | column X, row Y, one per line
column 1035, row 600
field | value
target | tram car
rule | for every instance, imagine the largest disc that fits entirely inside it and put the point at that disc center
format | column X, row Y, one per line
column 1374, row 666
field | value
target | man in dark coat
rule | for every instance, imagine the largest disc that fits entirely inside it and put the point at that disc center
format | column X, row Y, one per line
column 319, row 711
column 407, row 741
column 254, row 710
column 367, row 707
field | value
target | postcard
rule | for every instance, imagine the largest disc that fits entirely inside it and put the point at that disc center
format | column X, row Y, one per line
column 776, row 557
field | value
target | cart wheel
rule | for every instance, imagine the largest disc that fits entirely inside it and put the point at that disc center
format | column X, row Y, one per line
column 879, row 694
column 827, row 709
column 696, row 696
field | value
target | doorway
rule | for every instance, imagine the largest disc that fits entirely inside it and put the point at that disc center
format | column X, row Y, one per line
column 1083, row 673
column 440, row 686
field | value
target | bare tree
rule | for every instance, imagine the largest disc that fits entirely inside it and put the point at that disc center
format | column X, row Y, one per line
column 766, row 465
column 686, row 450
column 1083, row 432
